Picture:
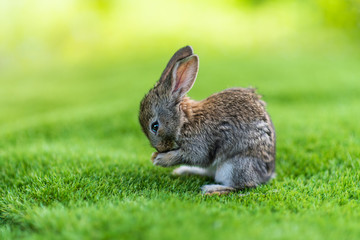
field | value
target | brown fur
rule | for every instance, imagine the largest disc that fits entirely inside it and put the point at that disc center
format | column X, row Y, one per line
column 229, row 133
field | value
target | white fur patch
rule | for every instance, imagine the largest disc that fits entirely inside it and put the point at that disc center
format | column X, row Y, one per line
column 187, row 170
column 223, row 174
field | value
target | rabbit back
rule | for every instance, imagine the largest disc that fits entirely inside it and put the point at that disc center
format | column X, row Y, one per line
column 232, row 124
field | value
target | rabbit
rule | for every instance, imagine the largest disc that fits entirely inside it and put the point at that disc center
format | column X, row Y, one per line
column 228, row 136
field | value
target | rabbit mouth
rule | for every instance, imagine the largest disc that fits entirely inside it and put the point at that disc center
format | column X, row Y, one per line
column 173, row 146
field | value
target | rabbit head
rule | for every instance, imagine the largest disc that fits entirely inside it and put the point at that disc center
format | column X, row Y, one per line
column 160, row 115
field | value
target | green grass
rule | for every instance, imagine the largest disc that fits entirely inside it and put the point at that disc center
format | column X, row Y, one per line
column 75, row 165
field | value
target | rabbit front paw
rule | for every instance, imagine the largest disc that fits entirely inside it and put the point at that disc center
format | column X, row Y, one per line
column 153, row 156
column 159, row 159
column 166, row 159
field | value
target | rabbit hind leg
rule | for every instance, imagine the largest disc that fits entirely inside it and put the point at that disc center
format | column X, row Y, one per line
column 223, row 175
column 216, row 189
column 242, row 172
column 235, row 174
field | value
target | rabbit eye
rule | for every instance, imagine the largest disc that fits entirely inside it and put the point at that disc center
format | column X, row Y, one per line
column 155, row 127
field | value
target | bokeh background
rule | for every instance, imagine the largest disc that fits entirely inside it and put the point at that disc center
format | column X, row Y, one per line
column 75, row 165
column 58, row 54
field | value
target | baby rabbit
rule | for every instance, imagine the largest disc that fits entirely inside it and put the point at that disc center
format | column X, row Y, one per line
column 228, row 136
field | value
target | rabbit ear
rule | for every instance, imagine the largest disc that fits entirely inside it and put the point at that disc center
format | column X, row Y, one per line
column 184, row 75
column 180, row 54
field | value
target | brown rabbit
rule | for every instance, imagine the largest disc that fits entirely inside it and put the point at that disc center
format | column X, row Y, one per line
column 228, row 136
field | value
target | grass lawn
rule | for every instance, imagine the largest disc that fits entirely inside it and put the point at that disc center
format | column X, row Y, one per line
column 74, row 163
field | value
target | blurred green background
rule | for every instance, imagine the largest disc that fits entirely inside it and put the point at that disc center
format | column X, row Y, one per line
column 74, row 163
column 49, row 48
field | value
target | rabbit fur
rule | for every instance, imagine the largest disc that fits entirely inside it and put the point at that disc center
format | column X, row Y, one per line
column 228, row 136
